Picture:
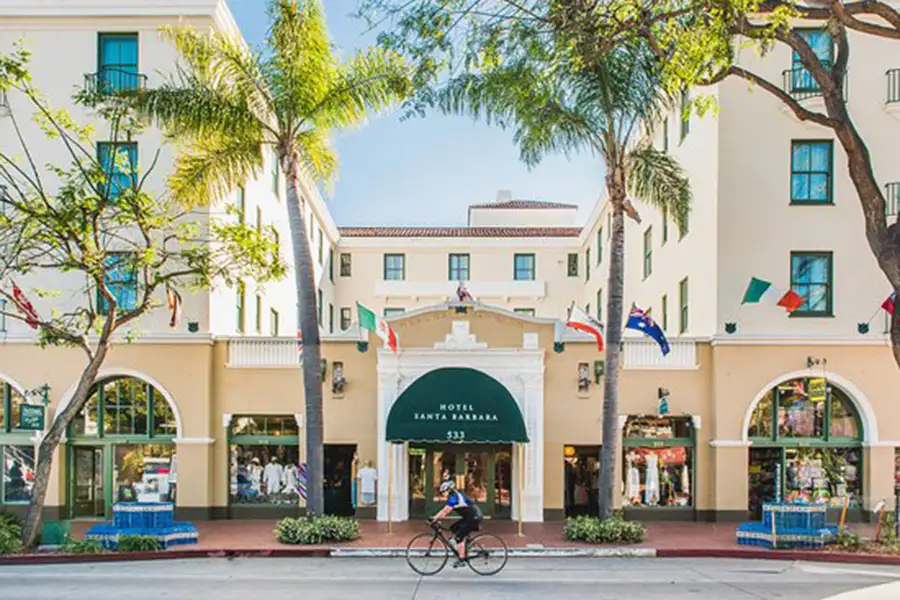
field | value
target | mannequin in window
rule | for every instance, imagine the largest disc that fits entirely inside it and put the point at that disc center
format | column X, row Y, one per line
column 651, row 490
column 272, row 476
column 256, row 474
column 633, row 489
column 291, row 479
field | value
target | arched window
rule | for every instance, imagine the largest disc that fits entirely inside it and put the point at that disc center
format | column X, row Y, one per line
column 10, row 402
column 796, row 409
column 125, row 407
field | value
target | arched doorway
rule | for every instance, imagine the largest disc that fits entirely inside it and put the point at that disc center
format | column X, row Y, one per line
column 806, row 445
column 121, row 448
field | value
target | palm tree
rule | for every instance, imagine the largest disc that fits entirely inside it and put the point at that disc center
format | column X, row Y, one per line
column 607, row 109
column 228, row 105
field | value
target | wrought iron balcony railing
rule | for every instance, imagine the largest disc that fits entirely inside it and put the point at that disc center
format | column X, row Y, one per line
column 892, row 198
column 893, row 86
column 4, row 104
column 801, row 85
column 113, row 80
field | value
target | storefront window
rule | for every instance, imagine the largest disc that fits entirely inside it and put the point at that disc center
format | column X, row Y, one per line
column 10, row 401
column 582, row 479
column 18, row 474
column 143, row 472
column 264, row 460
column 125, row 407
column 761, row 421
column 843, row 419
column 659, row 461
column 823, row 475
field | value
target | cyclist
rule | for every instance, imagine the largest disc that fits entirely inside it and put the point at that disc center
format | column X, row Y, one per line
column 469, row 513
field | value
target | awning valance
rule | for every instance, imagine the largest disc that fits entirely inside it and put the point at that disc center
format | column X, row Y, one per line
column 456, row 405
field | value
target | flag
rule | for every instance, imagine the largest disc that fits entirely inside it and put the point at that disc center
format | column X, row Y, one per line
column 641, row 321
column 25, row 307
column 759, row 290
column 889, row 304
column 462, row 294
column 368, row 320
column 581, row 321
column 174, row 300
column 300, row 345
column 301, row 480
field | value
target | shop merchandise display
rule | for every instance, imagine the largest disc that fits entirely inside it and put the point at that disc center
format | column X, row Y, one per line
column 278, row 482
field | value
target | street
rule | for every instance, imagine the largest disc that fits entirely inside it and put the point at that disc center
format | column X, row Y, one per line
column 523, row 579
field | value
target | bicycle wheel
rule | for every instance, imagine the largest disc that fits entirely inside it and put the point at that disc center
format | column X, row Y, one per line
column 487, row 554
column 426, row 554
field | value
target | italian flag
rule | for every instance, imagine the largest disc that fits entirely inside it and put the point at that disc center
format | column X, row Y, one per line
column 581, row 321
column 368, row 320
column 760, row 290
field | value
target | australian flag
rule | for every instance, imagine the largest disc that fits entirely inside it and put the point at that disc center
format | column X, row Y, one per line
column 640, row 321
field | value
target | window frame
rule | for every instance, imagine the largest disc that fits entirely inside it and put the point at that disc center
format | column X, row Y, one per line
column 330, row 318
column 133, row 160
column 241, row 203
column 587, row 261
column 600, row 305
column 829, row 200
column 829, row 297
column 525, row 312
column 665, row 312
column 600, row 246
column 274, row 322
column 346, row 316
column 101, row 305
column 459, row 268
column 572, row 264
column 348, row 263
column 665, row 225
column 684, row 105
column 683, row 306
column 241, row 306
column 3, row 315
column 648, row 252
column 532, row 271
column 799, row 70
column 393, row 270
column 392, row 311
column 102, row 65
column 320, row 308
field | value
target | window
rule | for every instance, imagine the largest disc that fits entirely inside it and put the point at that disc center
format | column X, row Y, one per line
column 255, row 443
column 812, row 168
column 683, row 305
column 523, row 267
column 10, row 401
column 125, row 407
column 811, row 278
column 241, row 203
column 321, row 249
column 2, row 315
column 119, row 160
column 458, row 267
column 587, row 264
column 122, row 281
column 345, row 264
column 259, row 313
column 239, row 306
column 17, row 474
column 330, row 318
column 527, row 312
column 665, row 132
column 658, row 456
column 665, row 312
column 685, row 113
column 572, row 268
column 665, row 225
column 822, row 46
column 683, row 231
column 331, row 265
column 117, row 62
column 600, row 305
column 394, row 267
column 599, row 245
column 393, row 312
column 320, row 309
column 648, row 252
column 276, row 175
column 345, row 318
column 274, row 325
column 587, row 308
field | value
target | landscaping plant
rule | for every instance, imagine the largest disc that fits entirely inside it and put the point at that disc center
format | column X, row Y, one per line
column 316, row 530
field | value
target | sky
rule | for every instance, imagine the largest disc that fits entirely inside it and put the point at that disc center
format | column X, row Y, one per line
column 426, row 171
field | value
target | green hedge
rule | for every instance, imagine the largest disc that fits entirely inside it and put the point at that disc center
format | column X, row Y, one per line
column 316, row 530
column 615, row 530
column 137, row 543
column 10, row 534
column 71, row 546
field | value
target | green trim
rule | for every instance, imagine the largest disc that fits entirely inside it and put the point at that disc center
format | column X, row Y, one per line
column 264, row 440
column 532, row 272
column 657, row 443
column 459, row 268
column 829, row 200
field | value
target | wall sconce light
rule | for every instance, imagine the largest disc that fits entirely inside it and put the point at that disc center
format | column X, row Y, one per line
column 730, row 328
column 559, row 347
column 599, row 369
column 362, row 346
column 862, row 328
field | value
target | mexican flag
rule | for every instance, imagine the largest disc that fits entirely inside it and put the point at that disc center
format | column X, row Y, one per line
column 368, row 320
column 760, row 290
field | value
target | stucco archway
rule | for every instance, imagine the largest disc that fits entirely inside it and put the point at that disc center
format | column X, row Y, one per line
column 12, row 383
column 860, row 401
column 107, row 374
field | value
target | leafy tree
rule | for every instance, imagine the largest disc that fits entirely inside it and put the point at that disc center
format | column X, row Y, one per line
column 603, row 108
column 699, row 42
column 229, row 105
column 93, row 223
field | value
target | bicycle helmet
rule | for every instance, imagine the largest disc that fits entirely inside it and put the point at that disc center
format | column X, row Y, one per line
column 447, row 486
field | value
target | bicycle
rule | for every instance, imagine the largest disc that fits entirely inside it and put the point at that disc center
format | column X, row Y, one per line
column 487, row 554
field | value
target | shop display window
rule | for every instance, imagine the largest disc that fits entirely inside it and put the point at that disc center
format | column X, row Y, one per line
column 658, row 461
column 265, row 426
column 18, row 474
column 659, row 428
column 264, row 474
column 823, row 475
column 144, row 472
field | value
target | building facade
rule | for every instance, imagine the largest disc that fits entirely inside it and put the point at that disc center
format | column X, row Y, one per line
column 496, row 393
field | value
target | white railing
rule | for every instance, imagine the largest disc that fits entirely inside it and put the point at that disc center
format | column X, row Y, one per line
column 263, row 352
column 645, row 354
column 447, row 289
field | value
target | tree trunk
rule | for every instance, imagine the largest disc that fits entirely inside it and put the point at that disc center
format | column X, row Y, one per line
column 895, row 327
column 307, row 317
column 50, row 442
column 615, row 188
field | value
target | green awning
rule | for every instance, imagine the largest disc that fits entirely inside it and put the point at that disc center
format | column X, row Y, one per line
column 456, row 405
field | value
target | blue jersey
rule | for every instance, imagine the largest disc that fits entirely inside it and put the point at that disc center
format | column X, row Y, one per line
column 461, row 503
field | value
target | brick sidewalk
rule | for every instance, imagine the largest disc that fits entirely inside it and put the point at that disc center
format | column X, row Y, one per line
column 258, row 535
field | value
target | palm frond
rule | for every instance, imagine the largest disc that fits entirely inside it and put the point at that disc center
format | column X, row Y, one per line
column 209, row 167
column 655, row 178
column 317, row 155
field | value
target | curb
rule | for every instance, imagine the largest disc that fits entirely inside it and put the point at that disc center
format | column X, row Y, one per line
column 50, row 559
column 513, row 552
column 825, row 557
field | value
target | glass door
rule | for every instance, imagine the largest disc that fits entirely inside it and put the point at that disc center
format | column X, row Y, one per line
column 763, row 464
column 474, row 471
column 88, row 489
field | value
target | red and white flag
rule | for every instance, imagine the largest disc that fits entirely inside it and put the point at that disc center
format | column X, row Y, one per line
column 890, row 304
column 25, row 307
column 173, row 298
column 578, row 319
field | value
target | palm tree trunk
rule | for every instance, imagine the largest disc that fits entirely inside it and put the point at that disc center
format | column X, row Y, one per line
column 32, row 526
column 307, row 317
column 615, row 187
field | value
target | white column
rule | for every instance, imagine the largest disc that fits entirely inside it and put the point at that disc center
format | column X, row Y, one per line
column 387, row 394
column 534, row 450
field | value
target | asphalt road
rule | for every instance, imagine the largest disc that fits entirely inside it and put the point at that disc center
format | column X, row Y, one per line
column 376, row 579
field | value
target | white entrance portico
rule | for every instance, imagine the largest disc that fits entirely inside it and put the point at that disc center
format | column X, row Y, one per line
column 519, row 370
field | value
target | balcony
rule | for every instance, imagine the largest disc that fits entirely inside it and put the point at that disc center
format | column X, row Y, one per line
column 480, row 290
column 260, row 353
column 114, row 80
column 643, row 353
column 892, row 199
column 802, row 86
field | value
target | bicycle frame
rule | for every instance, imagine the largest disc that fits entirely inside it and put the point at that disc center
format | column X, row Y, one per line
column 439, row 534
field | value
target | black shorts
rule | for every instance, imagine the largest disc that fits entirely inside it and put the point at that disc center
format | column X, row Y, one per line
column 465, row 526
